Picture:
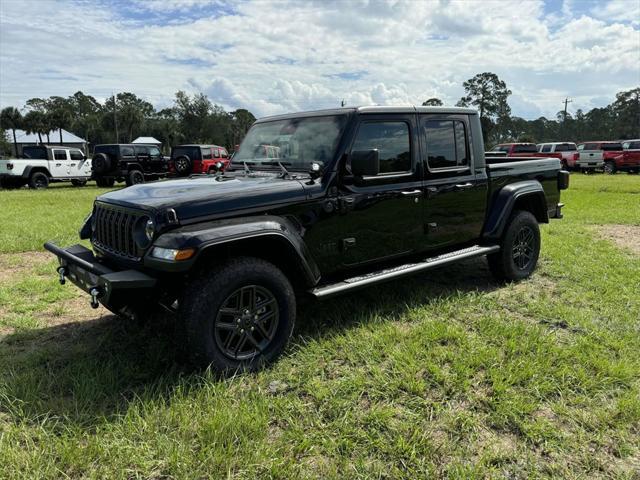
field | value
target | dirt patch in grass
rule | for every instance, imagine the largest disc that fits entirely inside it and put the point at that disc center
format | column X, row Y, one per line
column 13, row 265
column 624, row 236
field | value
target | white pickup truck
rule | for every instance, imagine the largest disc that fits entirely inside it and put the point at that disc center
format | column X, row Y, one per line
column 42, row 165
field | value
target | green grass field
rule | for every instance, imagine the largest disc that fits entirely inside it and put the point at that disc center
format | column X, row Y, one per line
column 442, row 375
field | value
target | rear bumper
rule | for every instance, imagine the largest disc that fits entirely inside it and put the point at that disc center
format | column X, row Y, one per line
column 114, row 289
column 589, row 164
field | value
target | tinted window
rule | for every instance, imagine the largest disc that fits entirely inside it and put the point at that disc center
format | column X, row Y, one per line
column 35, row 152
column 191, row 152
column 502, row 148
column 566, row 147
column 446, row 143
column 216, row 153
column 391, row 139
column 527, row 148
column 206, row 154
column 590, row 146
column 141, row 150
column 546, row 148
column 611, row 146
column 154, row 151
column 634, row 145
column 107, row 149
column 60, row 154
column 76, row 155
column 126, row 151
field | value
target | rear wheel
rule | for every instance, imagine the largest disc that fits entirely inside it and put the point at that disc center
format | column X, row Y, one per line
column 135, row 177
column 105, row 182
column 182, row 164
column 38, row 180
column 609, row 167
column 239, row 316
column 520, row 248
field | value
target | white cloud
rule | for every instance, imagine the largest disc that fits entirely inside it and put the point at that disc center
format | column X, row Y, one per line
column 285, row 56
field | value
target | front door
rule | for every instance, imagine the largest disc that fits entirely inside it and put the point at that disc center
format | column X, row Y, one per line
column 383, row 213
column 456, row 195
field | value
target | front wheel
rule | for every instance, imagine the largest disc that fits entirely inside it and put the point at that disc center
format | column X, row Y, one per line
column 519, row 248
column 105, row 182
column 239, row 316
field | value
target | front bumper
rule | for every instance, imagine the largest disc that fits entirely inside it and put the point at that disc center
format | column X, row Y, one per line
column 114, row 289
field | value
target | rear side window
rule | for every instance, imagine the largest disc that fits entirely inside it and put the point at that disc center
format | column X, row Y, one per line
column 546, row 148
column 206, row 154
column 39, row 153
column 608, row 147
column 126, row 151
column 60, row 154
column 391, row 139
column 76, row 155
column 590, row 146
column 446, row 142
column 531, row 148
column 106, row 149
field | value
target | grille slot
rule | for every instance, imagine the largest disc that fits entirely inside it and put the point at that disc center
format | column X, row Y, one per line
column 114, row 230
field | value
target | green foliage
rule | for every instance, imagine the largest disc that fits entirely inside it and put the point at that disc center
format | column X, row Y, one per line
column 11, row 119
column 432, row 102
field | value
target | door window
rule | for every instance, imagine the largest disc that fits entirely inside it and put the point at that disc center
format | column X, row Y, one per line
column 60, row 154
column 76, row 155
column 391, row 139
column 142, row 150
column 546, row 149
column 206, row 154
column 446, row 144
column 216, row 153
column 154, row 151
column 127, row 151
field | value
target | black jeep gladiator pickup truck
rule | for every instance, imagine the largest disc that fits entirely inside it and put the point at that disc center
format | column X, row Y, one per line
column 314, row 203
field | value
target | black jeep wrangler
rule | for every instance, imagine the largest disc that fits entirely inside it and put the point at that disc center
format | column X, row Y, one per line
column 314, row 204
column 131, row 163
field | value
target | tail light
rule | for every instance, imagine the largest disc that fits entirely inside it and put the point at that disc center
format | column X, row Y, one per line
column 576, row 156
column 9, row 166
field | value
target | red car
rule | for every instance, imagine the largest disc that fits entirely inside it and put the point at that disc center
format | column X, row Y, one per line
column 188, row 159
column 515, row 149
column 629, row 160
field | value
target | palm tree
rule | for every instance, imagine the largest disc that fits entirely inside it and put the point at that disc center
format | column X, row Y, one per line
column 34, row 122
column 11, row 118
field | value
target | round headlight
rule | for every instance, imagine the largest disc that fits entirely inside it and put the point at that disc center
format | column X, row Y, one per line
column 149, row 229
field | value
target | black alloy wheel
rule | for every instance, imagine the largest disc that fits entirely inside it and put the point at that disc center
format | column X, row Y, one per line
column 247, row 322
column 135, row 177
column 182, row 165
column 523, row 248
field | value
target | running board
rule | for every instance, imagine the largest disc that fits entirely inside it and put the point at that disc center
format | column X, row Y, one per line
column 324, row 291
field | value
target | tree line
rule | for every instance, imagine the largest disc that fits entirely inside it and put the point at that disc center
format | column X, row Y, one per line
column 489, row 95
column 195, row 119
column 124, row 116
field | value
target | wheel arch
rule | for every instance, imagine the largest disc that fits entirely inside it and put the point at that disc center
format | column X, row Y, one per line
column 526, row 195
column 26, row 173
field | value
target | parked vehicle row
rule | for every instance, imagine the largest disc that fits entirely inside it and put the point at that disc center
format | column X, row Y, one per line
column 41, row 165
column 608, row 156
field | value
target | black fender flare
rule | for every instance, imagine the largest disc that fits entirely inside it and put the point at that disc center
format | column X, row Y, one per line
column 26, row 173
column 207, row 236
column 504, row 201
column 133, row 166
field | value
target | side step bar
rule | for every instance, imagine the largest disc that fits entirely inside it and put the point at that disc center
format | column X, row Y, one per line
column 353, row 283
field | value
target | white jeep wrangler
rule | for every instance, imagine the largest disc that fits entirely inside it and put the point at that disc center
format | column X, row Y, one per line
column 42, row 164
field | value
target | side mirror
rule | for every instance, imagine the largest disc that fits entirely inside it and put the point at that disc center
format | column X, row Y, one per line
column 364, row 163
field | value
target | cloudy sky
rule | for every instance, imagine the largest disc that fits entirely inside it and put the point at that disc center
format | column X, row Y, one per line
column 274, row 57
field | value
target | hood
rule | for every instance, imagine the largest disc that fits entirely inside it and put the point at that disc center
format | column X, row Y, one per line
column 205, row 196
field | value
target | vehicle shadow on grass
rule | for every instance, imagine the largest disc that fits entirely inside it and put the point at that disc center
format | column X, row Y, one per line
column 89, row 371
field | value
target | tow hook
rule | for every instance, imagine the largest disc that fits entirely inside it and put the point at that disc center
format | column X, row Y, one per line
column 62, row 271
column 95, row 294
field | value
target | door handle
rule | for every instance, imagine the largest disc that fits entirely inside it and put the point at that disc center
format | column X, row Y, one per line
column 58, row 164
column 464, row 186
column 412, row 193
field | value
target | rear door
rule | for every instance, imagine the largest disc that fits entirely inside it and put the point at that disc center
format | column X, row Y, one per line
column 456, row 194
column 59, row 165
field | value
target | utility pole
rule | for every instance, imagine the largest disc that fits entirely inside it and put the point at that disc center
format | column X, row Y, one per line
column 566, row 101
column 343, row 103
column 115, row 117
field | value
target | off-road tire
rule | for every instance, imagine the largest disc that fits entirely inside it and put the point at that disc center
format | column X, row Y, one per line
column 212, row 289
column 504, row 265
column 38, row 180
column 564, row 165
column 182, row 165
column 134, row 177
column 610, row 167
column 105, row 182
column 78, row 183
column 101, row 163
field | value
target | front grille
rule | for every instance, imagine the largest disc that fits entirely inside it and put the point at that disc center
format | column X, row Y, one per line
column 114, row 230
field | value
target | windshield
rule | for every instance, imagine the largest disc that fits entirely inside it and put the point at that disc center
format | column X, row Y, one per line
column 565, row 147
column 295, row 142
